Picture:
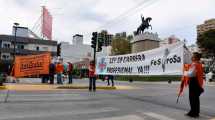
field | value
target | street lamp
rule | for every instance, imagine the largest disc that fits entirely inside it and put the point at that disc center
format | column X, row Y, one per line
column 14, row 49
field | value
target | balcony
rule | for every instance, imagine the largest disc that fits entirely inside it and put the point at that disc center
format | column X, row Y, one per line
column 23, row 51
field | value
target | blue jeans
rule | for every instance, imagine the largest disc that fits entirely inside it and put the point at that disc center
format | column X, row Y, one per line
column 70, row 78
column 92, row 83
column 59, row 78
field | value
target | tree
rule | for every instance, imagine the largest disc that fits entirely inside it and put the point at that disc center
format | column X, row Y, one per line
column 130, row 37
column 120, row 46
column 206, row 42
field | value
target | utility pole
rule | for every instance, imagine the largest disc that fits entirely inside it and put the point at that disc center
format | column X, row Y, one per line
column 14, row 54
column 94, row 44
column 14, row 49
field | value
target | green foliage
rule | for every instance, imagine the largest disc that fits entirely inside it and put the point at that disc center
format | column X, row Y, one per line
column 120, row 46
column 148, row 78
column 130, row 37
column 206, row 41
column 76, row 72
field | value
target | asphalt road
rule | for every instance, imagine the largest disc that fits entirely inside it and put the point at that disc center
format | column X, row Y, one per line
column 147, row 101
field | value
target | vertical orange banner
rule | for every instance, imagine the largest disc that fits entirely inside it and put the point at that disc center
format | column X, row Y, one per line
column 32, row 65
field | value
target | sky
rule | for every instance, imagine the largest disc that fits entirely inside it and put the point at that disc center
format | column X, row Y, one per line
column 169, row 17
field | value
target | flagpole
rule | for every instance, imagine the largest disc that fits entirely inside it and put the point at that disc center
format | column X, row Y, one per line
column 177, row 99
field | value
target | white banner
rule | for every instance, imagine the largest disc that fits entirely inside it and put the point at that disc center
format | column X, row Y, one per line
column 160, row 61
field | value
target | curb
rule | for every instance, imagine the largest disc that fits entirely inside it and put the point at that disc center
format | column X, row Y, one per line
column 3, row 87
column 86, row 87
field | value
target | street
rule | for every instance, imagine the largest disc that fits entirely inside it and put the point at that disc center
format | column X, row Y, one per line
column 107, row 60
column 146, row 101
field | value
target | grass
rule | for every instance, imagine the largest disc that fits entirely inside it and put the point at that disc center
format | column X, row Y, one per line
column 148, row 78
column 3, row 87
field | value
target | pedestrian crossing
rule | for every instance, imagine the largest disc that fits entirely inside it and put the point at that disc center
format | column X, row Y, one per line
column 76, row 105
column 158, row 116
column 126, row 117
column 148, row 116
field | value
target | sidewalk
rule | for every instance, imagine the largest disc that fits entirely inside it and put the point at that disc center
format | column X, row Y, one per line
column 30, row 87
column 45, row 87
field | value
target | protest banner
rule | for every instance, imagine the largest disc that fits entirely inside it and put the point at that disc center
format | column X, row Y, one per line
column 32, row 65
column 160, row 61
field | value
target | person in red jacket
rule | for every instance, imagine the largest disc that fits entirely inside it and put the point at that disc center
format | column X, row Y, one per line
column 92, row 77
column 59, row 70
column 195, row 76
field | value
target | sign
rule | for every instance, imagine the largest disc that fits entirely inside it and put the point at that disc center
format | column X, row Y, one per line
column 32, row 65
column 160, row 61
column 46, row 23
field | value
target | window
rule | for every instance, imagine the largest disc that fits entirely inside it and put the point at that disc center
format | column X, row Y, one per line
column 38, row 48
column 45, row 48
column 5, row 56
column 20, row 46
column 6, row 45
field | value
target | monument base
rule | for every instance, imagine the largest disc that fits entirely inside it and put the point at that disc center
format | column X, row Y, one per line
column 145, row 41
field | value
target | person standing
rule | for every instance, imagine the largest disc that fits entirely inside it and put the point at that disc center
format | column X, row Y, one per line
column 65, row 72
column 110, row 77
column 70, row 70
column 44, row 78
column 195, row 75
column 59, row 70
column 92, row 77
column 51, row 72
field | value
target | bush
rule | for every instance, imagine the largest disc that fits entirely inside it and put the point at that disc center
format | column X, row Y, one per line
column 148, row 78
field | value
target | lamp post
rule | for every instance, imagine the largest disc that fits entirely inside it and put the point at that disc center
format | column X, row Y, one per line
column 14, row 49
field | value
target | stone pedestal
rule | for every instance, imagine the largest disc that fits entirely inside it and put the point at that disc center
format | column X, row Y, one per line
column 144, row 42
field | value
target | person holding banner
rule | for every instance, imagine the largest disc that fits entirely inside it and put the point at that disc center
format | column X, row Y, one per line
column 70, row 70
column 195, row 76
column 59, row 68
column 110, row 77
column 92, row 77
column 51, row 72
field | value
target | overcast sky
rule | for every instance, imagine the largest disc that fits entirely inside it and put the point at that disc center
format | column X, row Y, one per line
column 178, row 17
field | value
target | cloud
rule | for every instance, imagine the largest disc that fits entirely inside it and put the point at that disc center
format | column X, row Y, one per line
column 178, row 17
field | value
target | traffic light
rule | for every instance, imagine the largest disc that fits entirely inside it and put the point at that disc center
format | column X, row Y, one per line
column 94, row 40
column 59, row 49
column 100, row 43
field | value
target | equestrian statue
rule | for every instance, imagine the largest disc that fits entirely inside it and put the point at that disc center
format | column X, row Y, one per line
column 144, row 25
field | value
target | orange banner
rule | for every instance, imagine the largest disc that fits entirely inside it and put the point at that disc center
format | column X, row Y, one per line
column 32, row 65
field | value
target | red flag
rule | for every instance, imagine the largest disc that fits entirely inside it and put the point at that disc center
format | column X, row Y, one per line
column 184, row 80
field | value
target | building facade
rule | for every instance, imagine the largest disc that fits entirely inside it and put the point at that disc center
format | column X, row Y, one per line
column 77, row 39
column 24, row 32
column 75, row 52
column 144, row 42
column 170, row 40
column 206, row 26
column 193, row 48
column 23, row 46
column 106, row 37
column 121, row 35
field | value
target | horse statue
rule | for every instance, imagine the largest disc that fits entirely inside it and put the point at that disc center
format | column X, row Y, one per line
column 144, row 25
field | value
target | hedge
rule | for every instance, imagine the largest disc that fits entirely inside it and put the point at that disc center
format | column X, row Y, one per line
column 148, row 78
